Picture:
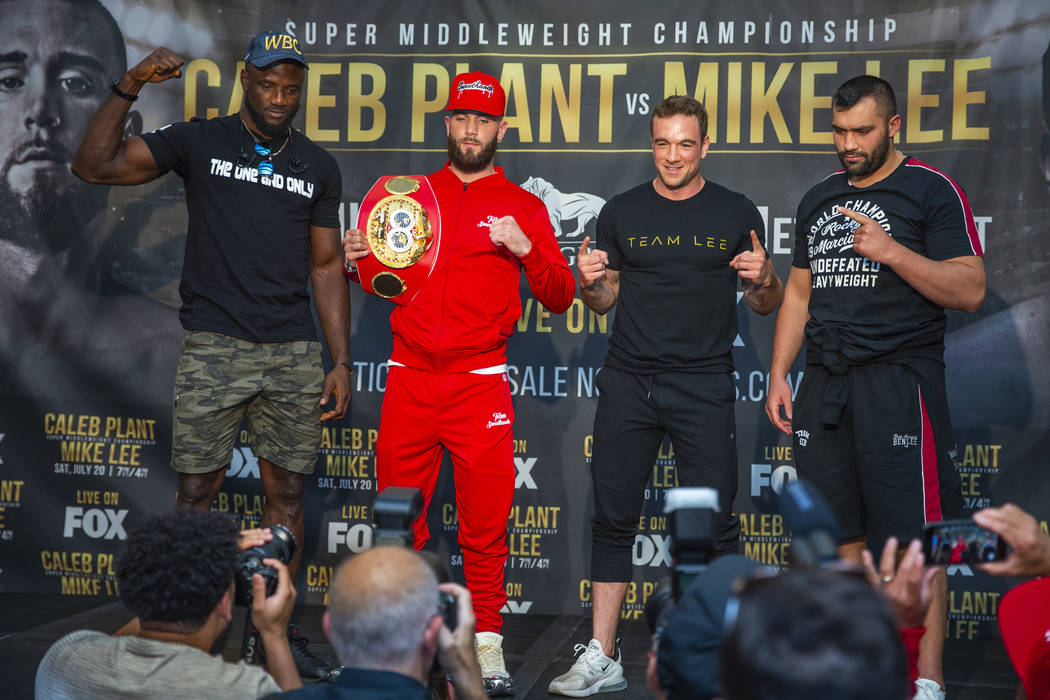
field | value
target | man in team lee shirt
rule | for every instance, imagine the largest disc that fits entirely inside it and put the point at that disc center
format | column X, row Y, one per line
column 669, row 366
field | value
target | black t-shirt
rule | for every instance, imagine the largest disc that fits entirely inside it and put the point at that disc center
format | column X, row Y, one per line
column 676, row 309
column 876, row 313
column 247, row 259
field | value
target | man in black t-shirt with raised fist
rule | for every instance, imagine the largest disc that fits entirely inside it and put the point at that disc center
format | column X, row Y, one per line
column 263, row 205
column 882, row 247
column 669, row 254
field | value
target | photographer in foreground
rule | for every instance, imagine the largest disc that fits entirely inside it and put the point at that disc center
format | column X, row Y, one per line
column 813, row 634
column 384, row 620
column 176, row 573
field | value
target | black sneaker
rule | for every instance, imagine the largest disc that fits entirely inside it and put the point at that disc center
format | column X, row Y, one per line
column 310, row 667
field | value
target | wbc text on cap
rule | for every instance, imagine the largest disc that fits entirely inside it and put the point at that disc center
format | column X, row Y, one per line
column 269, row 47
column 476, row 92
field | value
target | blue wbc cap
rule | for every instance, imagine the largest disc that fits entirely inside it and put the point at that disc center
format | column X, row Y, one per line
column 269, row 47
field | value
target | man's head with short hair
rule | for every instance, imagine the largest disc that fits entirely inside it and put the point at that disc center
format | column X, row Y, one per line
column 813, row 634
column 855, row 89
column 680, row 104
column 175, row 568
column 864, row 121
column 57, row 58
column 381, row 605
column 678, row 136
column 474, row 120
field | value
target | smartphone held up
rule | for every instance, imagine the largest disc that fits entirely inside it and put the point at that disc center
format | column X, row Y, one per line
column 961, row 542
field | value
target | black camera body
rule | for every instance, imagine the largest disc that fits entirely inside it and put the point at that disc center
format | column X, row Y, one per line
column 394, row 510
column 449, row 609
column 282, row 547
column 690, row 518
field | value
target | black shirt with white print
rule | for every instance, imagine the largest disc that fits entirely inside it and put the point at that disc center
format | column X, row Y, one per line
column 247, row 261
column 861, row 310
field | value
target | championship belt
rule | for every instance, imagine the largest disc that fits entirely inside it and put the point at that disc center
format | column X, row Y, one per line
column 400, row 220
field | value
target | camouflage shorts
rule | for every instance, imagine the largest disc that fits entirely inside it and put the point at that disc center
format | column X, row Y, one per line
column 221, row 380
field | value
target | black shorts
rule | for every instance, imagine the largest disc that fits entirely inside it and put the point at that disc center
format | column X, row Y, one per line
column 634, row 413
column 889, row 467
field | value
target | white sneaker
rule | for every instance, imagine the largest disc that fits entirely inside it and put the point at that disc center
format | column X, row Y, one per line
column 925, row 689
column 593, row 672
column 489, row 648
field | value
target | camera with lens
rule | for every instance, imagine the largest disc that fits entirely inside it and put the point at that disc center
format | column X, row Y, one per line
column 690, row 520
column 281, row 547
column 448, row 609
column 394, row 510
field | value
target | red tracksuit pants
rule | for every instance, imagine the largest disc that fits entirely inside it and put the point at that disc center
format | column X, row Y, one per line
column 471, row 416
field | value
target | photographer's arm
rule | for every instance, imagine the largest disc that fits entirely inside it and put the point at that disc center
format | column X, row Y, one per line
column 909, row 589
column 270, row 615
column 1031, row 546
column 456, row 648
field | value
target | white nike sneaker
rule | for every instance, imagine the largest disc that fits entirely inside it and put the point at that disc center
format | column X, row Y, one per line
column 593, row 673
column 925, row 689
column 489, row 648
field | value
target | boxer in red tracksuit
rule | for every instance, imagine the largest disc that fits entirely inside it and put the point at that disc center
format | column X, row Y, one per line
column 447, row 386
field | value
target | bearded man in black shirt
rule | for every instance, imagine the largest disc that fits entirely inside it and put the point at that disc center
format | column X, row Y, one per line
column 669, row 253
column 882, row 247
column 263, row 222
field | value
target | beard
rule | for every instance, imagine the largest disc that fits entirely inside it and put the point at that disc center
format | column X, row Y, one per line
column 471, row 162
column 266, row 128
column 868, row 164
column 52, row 215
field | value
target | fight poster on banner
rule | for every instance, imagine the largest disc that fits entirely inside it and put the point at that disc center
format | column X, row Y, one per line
column 89, row 330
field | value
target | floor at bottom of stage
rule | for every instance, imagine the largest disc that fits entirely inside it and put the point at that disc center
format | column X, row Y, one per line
column 536, row 647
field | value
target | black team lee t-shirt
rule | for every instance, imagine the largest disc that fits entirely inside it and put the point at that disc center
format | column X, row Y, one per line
column 676, row 309
column 247, row 259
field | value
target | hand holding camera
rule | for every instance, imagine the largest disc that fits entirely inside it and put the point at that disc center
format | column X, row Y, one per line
column 273, row 599
column 1030, row 555
column 456, row 643
column 278, row 544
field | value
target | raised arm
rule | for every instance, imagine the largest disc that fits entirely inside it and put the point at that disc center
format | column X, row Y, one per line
column 549, row 276
column 104, row 155
column 787, row 341
column 332, row 300
column 957, row 283
column 758, row 279
column 599, row 286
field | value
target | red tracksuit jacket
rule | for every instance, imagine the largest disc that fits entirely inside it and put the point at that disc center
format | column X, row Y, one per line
column 467, row 308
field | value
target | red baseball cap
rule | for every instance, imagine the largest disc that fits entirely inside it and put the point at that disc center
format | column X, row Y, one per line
column 1024, row 620
column 476, row 92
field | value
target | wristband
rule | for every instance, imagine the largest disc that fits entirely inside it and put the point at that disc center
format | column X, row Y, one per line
column 347, row 365
column 120, row 93
column 350, row 272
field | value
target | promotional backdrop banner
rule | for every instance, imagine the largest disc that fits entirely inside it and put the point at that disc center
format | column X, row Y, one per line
column 89, row 333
